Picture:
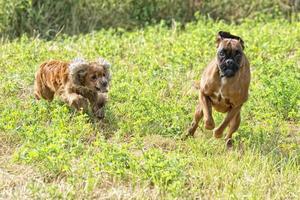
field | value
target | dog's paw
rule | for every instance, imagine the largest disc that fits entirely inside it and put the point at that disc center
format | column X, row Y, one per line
column 80, row 103
column 218, row 133
column 229, row 143
column 100, row 113
column 191, row 131
column 209, row 124
column 187, row 135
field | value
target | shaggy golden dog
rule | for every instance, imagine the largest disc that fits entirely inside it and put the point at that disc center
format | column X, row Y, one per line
column 77, row 83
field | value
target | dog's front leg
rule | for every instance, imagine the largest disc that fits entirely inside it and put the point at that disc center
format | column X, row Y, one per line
column 232, row 127
column 75, row 100
column 230, row 115
column 207, row 111
column 98, row 105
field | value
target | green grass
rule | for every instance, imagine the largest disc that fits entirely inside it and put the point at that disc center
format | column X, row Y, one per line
column 136, row 152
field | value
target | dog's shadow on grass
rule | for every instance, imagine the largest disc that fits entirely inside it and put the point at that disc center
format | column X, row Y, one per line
column 106, row 126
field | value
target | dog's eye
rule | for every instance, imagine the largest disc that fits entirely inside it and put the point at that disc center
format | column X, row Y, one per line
column 222, row 53
column 238, row 54
column 94, row 77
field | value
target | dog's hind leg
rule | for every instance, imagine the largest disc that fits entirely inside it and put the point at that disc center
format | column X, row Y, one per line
column 230, row 116
column 47, row 94
column 232, row 127
column 197, row 117
column 41, row 90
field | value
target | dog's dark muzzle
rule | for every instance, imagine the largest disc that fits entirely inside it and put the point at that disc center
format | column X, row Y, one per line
column 228, row 68
column 102, row 86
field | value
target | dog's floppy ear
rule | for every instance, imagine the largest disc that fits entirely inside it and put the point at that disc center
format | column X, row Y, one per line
column 226, row 35
column 78, row 70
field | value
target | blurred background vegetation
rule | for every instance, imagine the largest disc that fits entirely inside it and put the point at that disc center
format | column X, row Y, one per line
column 48, row 18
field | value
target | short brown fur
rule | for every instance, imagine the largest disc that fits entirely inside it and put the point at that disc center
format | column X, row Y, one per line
column 224, row 94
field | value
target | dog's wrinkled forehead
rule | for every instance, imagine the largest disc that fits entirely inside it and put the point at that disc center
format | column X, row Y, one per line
column 229, row 41
column 230, row 45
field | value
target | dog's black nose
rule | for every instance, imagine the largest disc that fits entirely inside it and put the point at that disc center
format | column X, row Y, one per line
column 104, row 83
column 229, row 62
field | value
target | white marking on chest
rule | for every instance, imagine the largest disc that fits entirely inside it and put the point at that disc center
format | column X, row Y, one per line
column 225, row 81
column 219, row 94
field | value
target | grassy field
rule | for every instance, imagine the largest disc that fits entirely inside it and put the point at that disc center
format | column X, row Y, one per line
column 48, row 150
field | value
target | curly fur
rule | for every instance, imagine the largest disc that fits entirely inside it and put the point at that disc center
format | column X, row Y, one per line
column 77, row 83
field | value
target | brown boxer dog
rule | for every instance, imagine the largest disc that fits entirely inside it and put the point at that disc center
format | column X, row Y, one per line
column 224, row 86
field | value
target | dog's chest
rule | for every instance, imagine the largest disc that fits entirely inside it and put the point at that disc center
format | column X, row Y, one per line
column 219, row 97
column 223, row 96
